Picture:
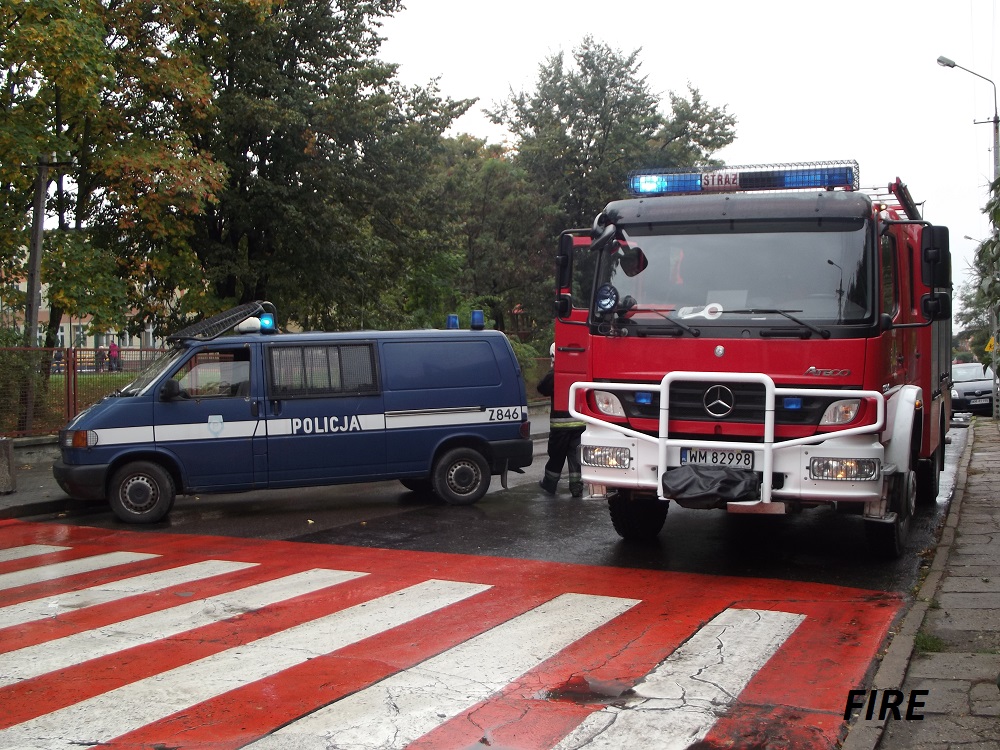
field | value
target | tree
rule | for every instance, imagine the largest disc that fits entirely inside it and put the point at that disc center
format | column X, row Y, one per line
column 112, row 85
column 326, row 156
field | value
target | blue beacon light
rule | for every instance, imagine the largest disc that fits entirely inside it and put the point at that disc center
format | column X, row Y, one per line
column 267, row 323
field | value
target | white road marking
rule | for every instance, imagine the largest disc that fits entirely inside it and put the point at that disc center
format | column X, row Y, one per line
column 69, row 568
column 28, row 550
column 680, row 700
column 401, row 708
column 104, row 717
column 49, row 656
column 72, row 601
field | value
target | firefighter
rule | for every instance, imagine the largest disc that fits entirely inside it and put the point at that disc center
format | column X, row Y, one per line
column 564, row 439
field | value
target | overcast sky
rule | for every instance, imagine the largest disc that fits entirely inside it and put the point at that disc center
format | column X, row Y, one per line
column 807, row 81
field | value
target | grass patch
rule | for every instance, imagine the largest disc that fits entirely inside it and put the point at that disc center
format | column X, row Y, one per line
column 925, row 643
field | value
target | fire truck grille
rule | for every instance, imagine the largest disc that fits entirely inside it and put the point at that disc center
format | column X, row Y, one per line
column 739, row 402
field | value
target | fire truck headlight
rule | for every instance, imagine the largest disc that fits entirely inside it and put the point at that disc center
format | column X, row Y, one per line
column 844, row 469
column 608, row 403
column 841, row 412
column 605, row 457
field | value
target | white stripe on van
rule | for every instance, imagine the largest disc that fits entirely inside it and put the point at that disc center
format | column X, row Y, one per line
column 399, row 420
column 214, row 427
column 124, row 435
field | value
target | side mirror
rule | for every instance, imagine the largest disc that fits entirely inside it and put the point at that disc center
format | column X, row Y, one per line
column 564, row 306
column 935, row 255
column 171, row 389
column 602, row 233
column 936, row 306
column 564, row 262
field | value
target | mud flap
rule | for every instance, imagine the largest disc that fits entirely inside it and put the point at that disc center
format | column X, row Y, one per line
column 706, row 487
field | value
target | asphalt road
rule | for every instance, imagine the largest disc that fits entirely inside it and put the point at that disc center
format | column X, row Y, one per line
column 522, row 522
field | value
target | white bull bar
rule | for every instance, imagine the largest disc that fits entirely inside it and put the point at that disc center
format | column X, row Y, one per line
column 768, row 447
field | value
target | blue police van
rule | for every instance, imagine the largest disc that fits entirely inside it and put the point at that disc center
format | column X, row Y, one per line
column 440, row 410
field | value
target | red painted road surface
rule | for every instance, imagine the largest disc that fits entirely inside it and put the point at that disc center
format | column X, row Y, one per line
column 131, row 640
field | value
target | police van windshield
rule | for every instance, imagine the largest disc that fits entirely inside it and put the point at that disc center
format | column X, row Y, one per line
column 164, row 361
column 816, row 274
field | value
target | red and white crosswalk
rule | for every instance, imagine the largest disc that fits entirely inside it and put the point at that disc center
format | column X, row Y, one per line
column 135, row 639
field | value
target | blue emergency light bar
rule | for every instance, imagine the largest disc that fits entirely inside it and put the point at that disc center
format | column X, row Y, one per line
column 267, row 323
column 817, row 175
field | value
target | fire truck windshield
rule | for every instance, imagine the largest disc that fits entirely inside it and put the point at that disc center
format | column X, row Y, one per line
column 821, row 275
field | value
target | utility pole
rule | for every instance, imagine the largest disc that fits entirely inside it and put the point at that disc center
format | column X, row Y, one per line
column 994, row 266
column 34, row 297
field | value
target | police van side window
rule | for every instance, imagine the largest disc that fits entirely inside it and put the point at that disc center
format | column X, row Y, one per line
column 432, row 364
column 216, row 373
column 322, row 370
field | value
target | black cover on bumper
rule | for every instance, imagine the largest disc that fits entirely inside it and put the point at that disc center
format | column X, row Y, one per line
column 81, row 482
column 515, row 454
column 704, row 487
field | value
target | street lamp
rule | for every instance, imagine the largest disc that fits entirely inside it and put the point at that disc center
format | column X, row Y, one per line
column 948, row 63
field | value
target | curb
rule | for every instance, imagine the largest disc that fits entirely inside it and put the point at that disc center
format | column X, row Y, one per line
column 866, row 734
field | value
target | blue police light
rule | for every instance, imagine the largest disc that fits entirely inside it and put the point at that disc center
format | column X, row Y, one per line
column 267, row 323
column 452, row 323
column 817, row 175
column 478, row 321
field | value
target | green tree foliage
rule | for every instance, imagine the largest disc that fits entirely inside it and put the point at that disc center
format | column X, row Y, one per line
column 326, row 156
column 112, row 86
column 587, row 125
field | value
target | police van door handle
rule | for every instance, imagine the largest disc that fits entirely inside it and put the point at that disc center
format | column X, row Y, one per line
column 276, row 407
column 254, row 409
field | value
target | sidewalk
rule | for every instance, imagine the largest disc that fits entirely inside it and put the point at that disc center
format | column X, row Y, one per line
column 948, row 642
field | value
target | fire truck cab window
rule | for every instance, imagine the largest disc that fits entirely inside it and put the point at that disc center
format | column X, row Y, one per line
column 824, row 275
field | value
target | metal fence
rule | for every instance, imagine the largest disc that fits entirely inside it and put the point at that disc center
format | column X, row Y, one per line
column 42, row 389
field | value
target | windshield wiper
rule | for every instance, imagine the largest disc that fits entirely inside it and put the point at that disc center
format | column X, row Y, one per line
column 646, row 330
column 825, row 333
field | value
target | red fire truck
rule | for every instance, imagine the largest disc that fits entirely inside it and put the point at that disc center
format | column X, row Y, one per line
column 762, row 340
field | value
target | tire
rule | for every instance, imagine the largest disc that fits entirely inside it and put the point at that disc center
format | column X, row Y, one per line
column 421, row 485
column 141, row 492
column 636, row 517
column 461, row 476
column 928, row 481
column 888, row 540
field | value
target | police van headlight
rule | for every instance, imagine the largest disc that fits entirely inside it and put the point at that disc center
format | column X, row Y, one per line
column 77, row 438
column 606, row 457
column 845, row 469
column 608, row 403
column 841, row 412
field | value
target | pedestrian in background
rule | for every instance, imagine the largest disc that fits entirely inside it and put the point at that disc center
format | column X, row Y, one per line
column 113, row 362
column 99, row 358
column 564, row 439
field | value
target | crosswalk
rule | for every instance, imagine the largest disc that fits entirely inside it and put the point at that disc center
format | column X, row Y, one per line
column 130, row 639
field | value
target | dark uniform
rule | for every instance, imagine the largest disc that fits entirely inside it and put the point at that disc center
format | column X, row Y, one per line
column 564, row 444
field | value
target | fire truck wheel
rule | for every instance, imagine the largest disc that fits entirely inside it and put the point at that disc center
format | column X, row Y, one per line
column 636, row 517
column 461, row 476
column 141, row 492
column 422, row 485
column 889, row 539
column 928, row 481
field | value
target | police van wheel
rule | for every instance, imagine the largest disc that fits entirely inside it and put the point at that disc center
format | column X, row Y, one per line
column 636, row 517
column 141, row 492
column 422, row 485
column 461, row 476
